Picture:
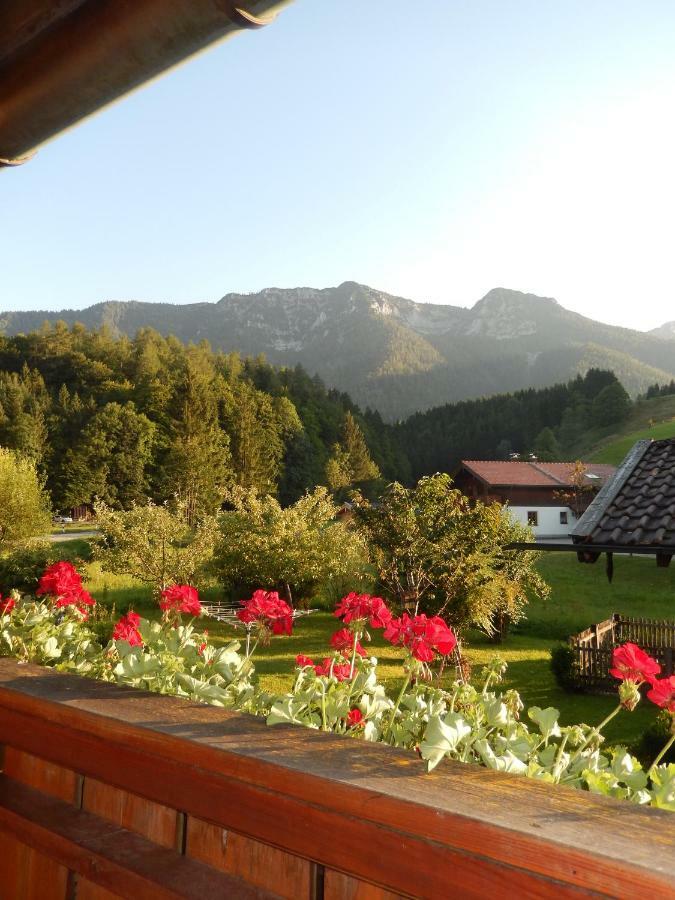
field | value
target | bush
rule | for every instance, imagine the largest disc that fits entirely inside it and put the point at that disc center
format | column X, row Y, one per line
column 563, row 666
column 21, row 569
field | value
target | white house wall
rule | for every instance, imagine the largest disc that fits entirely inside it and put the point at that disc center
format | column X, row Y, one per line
column 548, row 518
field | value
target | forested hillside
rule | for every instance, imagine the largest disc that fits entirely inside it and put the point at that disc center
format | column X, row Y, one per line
column 548, row 422
column 123, row 419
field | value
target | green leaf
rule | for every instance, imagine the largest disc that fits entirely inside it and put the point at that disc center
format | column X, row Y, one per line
column 546, row 720
column 443, row 736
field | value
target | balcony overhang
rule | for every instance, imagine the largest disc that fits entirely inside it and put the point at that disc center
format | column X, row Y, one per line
column 63, row 60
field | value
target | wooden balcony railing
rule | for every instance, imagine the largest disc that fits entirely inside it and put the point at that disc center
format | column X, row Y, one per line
column 106, row 791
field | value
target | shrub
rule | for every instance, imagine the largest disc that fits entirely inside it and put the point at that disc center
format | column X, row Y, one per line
column 563, row 666
column 154, row 543
column 295, row 548
column 434, row 548
column 21, row 569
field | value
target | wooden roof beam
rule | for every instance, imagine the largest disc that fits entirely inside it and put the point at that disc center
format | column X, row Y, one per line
column 63, row 60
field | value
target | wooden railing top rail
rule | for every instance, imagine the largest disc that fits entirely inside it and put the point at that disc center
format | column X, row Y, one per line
column 364, row 809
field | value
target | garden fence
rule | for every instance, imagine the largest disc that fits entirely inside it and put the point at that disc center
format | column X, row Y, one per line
column 593, row 647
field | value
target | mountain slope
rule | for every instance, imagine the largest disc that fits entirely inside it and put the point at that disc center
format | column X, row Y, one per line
column 394, row 354
column 666, row 331
column 651, row 419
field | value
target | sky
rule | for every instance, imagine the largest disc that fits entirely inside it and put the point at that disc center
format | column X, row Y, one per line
column 433, row 150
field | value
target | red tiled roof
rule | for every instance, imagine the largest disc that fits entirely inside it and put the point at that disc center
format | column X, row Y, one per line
column 534, row 474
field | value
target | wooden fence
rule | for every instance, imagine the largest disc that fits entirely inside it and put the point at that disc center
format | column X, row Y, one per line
column 593, row 647
column 106, row 791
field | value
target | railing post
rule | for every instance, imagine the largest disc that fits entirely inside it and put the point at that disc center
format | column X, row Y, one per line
column 668, row 662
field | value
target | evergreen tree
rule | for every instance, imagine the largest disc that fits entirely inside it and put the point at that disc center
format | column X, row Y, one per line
column 111, row 458
column 197, row 465
column 546, row 447
column 350, row 462
column 612, row 405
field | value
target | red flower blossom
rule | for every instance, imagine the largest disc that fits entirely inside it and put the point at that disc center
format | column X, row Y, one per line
column 355, row 607
column 341, row 671
column 663, row 693
column 81, row 600
column 59, row 580
column 127, row 629
column 421, row 635
column 355, row 718
column 303, row 662
column 343, row 640
column 7, row 605
column 62, row 581
column 269, row 611
column 633, row 664
column 180, row 598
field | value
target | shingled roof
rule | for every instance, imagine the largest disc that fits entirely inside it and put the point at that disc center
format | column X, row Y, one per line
column 636, row 508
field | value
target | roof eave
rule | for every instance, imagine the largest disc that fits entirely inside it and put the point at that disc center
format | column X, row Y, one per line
column 68, row 66
column 608, row 492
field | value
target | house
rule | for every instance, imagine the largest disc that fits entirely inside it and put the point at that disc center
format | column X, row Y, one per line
column 635, row 510
column 547, row 496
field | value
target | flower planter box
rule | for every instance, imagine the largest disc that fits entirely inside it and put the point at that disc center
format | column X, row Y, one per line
column 106, row 790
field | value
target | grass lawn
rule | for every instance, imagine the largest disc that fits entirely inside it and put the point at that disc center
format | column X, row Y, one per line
column 581, row 595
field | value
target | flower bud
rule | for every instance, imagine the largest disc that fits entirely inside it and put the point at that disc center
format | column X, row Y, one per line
column 629, row 695
column 576, row 735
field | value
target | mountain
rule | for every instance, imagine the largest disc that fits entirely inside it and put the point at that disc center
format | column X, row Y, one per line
column 666, row 331
column 393, row 354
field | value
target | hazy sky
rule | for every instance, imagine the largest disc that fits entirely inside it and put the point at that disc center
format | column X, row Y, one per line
column 434, row 150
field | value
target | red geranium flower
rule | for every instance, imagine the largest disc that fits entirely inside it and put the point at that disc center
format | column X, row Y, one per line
column 355, row 718
column 633, row 664
column 269, row 611
column 59, row 580
column 303, row 662
column 343, row 640
column 341, row 671
column 180, row 598
column 62, row 581
column 355, row 607
column 127, row 629
column 421, row 635
column 7, row 605
column 663, row 693
column 80, row 599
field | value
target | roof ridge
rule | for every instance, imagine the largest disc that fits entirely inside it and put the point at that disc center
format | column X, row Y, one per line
column 535, row 465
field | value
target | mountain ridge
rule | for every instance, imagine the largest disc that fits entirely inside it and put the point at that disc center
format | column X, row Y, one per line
column 393, row 354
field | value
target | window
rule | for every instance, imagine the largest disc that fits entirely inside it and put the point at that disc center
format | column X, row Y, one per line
column 563, row 517
column 532, row 518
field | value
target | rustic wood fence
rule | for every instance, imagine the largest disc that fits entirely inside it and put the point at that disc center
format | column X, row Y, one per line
column 106, row 791
column 593, row 647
